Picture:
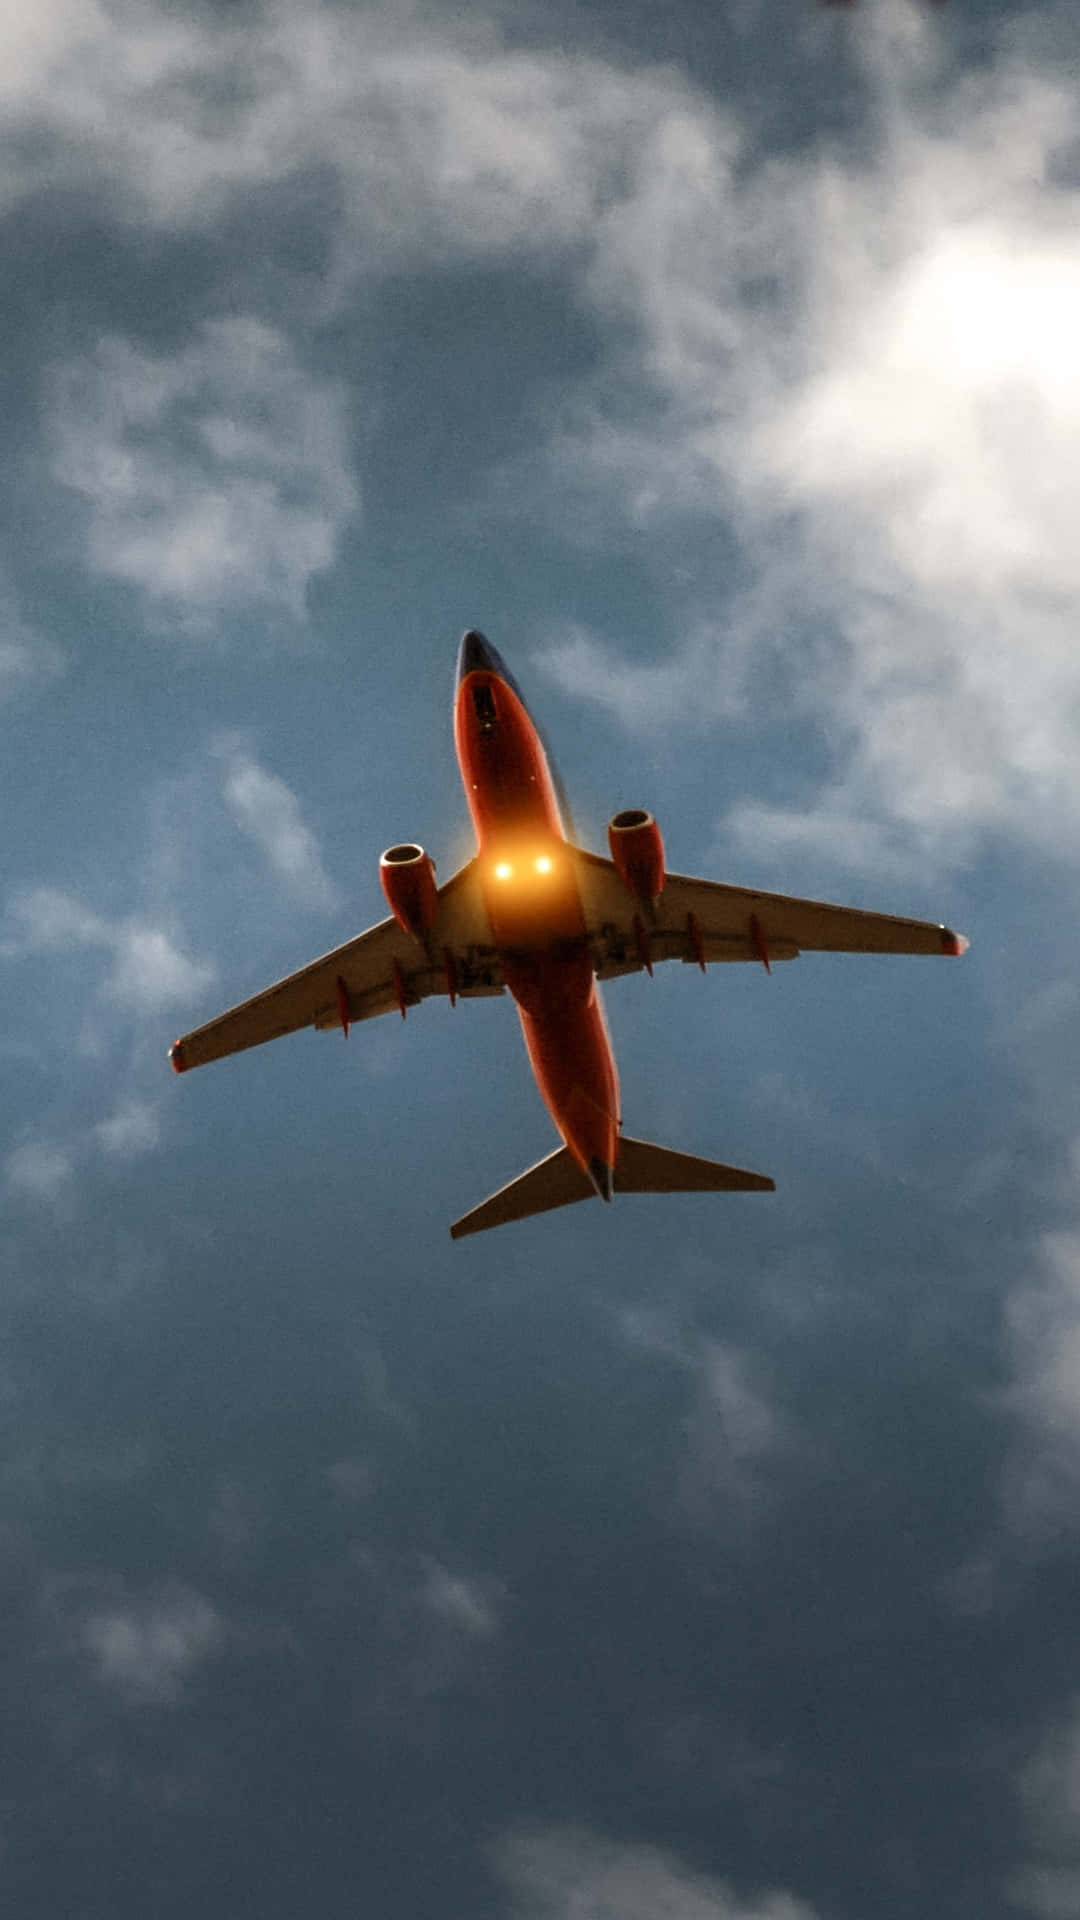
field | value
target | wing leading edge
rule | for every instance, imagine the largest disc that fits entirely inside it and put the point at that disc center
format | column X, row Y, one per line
column 703, row 921
column 383, row 970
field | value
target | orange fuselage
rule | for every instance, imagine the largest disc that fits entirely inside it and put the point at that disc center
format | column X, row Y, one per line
column 536, row 915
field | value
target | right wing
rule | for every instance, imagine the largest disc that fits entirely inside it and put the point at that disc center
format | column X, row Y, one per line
column 382, row 971
column 705, row 921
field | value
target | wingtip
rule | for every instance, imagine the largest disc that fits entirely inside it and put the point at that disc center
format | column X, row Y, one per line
column 176, row 1057
column 954, row 943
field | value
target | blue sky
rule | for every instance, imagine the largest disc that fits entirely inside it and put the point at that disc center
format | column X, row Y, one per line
column 712, row 1558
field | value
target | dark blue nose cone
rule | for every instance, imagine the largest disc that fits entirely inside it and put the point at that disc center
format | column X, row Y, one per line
column 478, row 656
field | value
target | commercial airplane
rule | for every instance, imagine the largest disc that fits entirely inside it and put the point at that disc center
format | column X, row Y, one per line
column 532, row 913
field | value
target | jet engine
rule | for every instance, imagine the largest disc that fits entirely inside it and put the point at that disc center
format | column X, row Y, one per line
column 408, row 881
column 638, row 852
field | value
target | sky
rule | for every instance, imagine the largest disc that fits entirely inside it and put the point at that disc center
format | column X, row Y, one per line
column 705, row 1557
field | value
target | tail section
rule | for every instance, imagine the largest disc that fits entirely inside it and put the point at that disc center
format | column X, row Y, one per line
column 641, row 1167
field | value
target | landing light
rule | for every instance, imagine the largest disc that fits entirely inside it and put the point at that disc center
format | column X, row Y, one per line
column 543, row 865
column 503, row 870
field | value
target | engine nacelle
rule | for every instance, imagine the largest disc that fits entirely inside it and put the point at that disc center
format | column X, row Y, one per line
column 638, row 852
column 408, row 881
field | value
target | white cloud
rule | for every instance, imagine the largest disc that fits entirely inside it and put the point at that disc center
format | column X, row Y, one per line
column 40, row 1170
column 437, row 138
column 149, row 971
column 869, row 371
column 147, row 1652
column 53, row 921
column 643, row 696
column 268, row 811
column 866, row 369
column 134, row 1129
column 214, row 477
column 845, row 839
column 43, row 1171
column 569, row 1873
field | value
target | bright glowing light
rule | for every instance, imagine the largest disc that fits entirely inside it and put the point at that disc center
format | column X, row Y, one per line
column 503, row 870
column 543, row 865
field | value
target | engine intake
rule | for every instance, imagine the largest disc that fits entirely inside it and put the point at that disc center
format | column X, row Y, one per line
column 408, row 881
column 638, row 852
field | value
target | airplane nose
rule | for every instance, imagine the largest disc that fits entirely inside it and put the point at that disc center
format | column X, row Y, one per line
column 477, row 655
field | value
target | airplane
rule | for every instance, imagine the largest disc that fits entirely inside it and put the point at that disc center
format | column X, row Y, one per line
column 533, row 914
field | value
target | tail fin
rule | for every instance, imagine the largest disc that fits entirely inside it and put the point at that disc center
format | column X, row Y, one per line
column 641, row 1168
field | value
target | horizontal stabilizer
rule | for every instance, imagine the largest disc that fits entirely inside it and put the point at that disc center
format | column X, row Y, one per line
column 643, row 1168
column 555, row 1182
column 558, row 1181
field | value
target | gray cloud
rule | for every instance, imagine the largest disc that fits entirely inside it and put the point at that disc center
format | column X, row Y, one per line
column 1043, row 1344
column 134, row 1129
column 569, row 1873
column 149, row 971
column 265, row 808
column 440, row 140
column 462, row 1602
column 40, row 1170
column 1049, row 1786
column 734, row 1438
column 26, row 658
column 147, row 1651
column 214, row 477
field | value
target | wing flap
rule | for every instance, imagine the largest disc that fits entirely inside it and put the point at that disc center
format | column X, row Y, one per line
column 381, row 971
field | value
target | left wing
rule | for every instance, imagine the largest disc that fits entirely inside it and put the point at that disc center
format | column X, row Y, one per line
column 701, row 921
column 382, row 971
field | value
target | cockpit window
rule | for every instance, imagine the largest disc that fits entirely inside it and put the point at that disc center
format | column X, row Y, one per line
column 484, row 707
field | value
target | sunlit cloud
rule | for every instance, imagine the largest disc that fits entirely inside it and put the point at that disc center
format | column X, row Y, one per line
column 867, row 372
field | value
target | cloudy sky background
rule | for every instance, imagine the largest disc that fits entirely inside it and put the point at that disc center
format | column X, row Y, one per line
column 713, row 1558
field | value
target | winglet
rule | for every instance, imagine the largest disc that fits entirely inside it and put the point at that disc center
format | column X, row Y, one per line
column 953, row 943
